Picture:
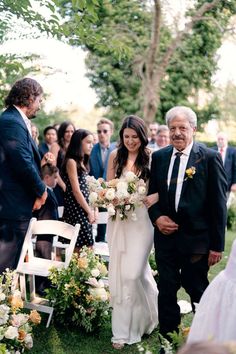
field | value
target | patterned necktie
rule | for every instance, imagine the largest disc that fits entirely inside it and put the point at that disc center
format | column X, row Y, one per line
column 173, row 181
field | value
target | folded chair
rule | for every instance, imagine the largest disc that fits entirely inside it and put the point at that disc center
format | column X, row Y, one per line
column 30, row 265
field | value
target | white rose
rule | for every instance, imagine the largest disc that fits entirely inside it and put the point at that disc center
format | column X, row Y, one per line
column 93, row 196
column 28, row 341
column 141, row 190
column 11, row 332
column 2, row 297
column 95, row 272
column 111, row 211
column 127, row 207
column 130, row 177
column 110, row 194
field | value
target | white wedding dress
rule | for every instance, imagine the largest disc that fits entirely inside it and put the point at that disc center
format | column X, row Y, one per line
column 215, row 317
column 132, row 287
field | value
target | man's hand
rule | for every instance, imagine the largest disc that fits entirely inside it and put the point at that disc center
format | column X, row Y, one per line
column 214, row 257
column 166, row 225
column 40, row 201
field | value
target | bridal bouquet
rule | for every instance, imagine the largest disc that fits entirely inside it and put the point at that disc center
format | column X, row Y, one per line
column 120, row 196
column 15, row 326
column 79, row 293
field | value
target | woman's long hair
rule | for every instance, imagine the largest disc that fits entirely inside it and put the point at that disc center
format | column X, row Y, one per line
column 75, row 152
column 61, row 132
column 142, row 161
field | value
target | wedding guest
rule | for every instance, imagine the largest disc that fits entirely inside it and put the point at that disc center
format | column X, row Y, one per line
column 189, row 217
column 48, row 211
column 35, row 133
column 152, row 138
column 133, row 289
column 99, row 160
column 75, row 169
column 50, row 137
column 207, row 347
column 58, row 149
column 215, row 313
column 21, row 188
column 228, row 154
column 162, row 137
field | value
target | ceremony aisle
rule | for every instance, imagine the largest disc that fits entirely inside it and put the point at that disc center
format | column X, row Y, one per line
column 61, row 340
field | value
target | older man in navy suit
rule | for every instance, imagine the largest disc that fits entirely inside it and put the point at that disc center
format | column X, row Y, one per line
column 99, row 160
column 21, row 188
column 190, row 216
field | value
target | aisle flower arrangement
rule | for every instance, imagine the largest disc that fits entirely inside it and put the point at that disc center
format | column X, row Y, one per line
column 120, row 196
column 78, row 293
column 15, row 325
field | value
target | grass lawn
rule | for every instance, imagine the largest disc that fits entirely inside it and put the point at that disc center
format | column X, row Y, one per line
column 61, row 340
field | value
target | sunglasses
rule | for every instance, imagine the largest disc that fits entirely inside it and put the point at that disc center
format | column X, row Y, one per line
column 105, row 131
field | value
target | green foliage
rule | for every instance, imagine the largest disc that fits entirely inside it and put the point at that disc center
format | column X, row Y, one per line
column 117, row 80
column 78, row 294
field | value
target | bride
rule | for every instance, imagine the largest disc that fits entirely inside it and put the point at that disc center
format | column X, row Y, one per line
column 132, row 287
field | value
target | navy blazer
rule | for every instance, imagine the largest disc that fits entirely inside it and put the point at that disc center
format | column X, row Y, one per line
column 20, row 182
column 43, row 149
column 201, row 214
column 229, row 165
column 96, row 167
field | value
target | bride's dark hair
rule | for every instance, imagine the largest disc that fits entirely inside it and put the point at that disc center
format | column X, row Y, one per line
column 142, row 161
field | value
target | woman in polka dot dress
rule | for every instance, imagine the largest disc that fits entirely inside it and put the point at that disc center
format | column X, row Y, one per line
column 75, row 170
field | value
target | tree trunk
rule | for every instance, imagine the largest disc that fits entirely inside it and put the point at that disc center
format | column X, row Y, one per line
column 153, row 73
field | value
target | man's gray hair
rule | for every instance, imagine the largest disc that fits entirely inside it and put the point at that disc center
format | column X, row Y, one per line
column 182, row 111
column 162, row 128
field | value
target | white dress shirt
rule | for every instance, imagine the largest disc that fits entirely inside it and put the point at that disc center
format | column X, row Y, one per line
column 222, row 151
column 182, row 168
column 25, row 119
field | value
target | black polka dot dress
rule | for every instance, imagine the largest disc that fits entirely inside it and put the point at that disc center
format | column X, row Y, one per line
column 74, row 213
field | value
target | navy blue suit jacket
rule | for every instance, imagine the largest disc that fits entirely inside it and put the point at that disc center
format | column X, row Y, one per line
column 20, row 182
column 201, row 214
column 230, row 165
column 43, row 149
column 96, row 167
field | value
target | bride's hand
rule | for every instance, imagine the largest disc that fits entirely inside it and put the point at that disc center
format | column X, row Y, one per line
column 151, row 199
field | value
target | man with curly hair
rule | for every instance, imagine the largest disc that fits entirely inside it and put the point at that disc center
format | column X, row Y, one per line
column 21, row 188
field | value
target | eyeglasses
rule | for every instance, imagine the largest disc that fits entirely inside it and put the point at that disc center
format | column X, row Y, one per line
column 105, row 131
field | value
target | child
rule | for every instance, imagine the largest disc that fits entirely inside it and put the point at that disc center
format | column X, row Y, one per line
column 48, row 211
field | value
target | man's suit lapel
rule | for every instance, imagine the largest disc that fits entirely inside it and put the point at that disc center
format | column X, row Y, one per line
column 165, row 169
column 99, row 155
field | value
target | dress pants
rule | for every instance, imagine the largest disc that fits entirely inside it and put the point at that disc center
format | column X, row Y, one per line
column 12, row 234
column 176, row 270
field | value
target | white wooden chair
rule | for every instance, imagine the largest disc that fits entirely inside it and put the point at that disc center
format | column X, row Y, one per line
column 101, row 248
column 34, row 266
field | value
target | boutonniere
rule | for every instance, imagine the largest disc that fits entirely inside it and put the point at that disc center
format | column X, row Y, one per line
column 190, row 172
